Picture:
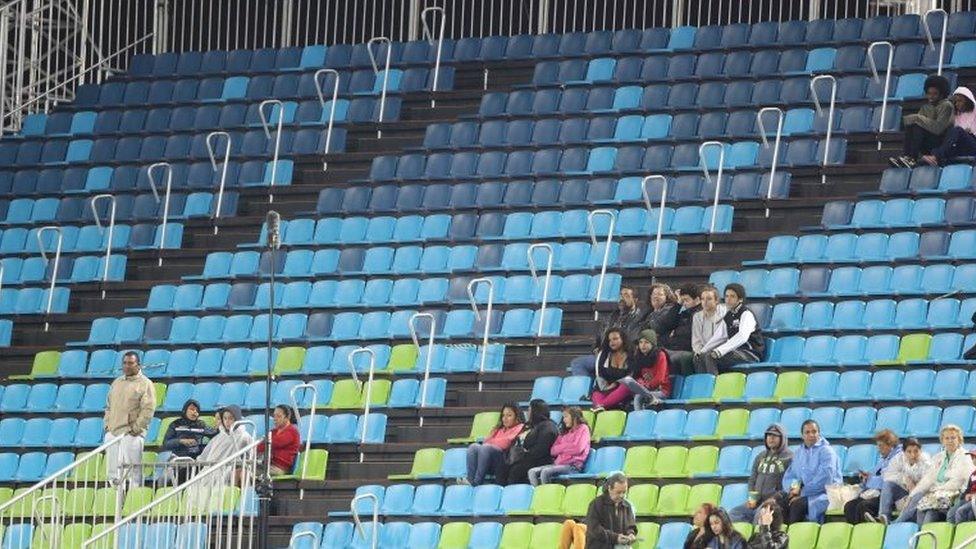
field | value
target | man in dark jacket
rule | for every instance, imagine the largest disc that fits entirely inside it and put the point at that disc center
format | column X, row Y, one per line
column 187, row 436
column 678, row 341
column 627, row 317
column 767, row 473
column 610, row 519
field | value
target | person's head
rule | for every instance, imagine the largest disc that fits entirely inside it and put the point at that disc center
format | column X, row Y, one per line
column 709, row 299
column 774, row 438
column 615, row 487
column 660, row 296
column 538, row 411
column 701, row 514
column 617, row 340
column 810, row 430
column 735, row 294
column 886, row 440
column 191, row 410
column 777, row 512
column 130, row 363
column 936, row 88
column 572, row 416
column 962, row 103
column 228, row 416
column 951, row 438
column 972, row 456
column 283, row 415
column 912, row 449
column 690, row 296
column 647, row 341
column 719, row 523
column 510, row 416
column 628, row 298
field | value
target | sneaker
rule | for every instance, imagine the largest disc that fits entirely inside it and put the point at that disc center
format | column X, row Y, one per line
column 908, row 161
column 895, row 162
column 870, row 518
column 462, row 481
column 883, row 519
column 596, row 409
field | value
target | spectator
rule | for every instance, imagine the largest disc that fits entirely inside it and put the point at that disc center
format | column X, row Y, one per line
column 872, row 482
column 769, row 532
column 531, row 447
column 227, row 441
column 699, row 526
column 707, row 327
column 662, row 312
column 970, row 354
column 485, row 457
column 626, row 318
column 613, row 364
column 964, row 510
column 720, row 534
column 650, row 381
column 678, row 341
column 745, row 342
column 947, row 476
column 768, row 469
column 186, row 437
column 285, row 440
column 901, row 476
column 129, row 407
column 960, row 139
column 610, row 520
column 814, row 466
column 570, row 450
column 925, row 130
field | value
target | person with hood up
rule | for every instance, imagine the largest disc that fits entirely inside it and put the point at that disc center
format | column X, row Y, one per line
column 960, row 140
column 872, row 482
column 531, row 447
column 814, row 466
column 185, row 439
column 925, row 129
column 945, row 479
column 768, row 469
column 224, row 444
column 570, row 450
column 650, row 377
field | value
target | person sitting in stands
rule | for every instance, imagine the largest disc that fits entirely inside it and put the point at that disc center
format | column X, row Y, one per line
column 570, row 450
column 626, row 318
column 707, row 327
column 768, row 469
column 946, row 478
column 650, row 380
column 900, row 478
column 872, row 482
column 610, row 520
column 720, row 534
column 769, row 533
column 186, row 437
column 960, row 140
column 964, row 510
column 745, row 343
column 285, row 441
column 226, row 442
column 814, row 466
column 970, row 354
column 532, row 446
column 678, row 340
column 699, row 526
column 485, row 457
column 662, row 312
column 926, row 129
column 613, row 364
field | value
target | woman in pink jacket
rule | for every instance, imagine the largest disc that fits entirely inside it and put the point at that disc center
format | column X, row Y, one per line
column 570, row 450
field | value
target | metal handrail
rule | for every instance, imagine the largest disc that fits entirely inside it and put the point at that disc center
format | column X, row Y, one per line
column 718, row 180
column 307, row 533
column 660, row 214
column 765, row 141
column 830, row 116
column 430, row 353
column 429, row 36
column 368, row 389
column 477, row 314
column 877, row 78
column 913, row 541
column 58, row 522
column 223, row 170
column 111, row 230
column 386, row 75
column 335, row 98
column 311, row 420
column 267, row 133
column 150, row 171
column 57, row 263
column 606, row 251
column 545, row 283
column 942, row 39
column 376, row 514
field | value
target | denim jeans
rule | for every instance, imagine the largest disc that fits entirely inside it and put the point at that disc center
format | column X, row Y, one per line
column 741, row 513
column 545, row 473
column 890, row 493
column 640, row 392
column 962, row 512
column 910, row 510
column 482, row 460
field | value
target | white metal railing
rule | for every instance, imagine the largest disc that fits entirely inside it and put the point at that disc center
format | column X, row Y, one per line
column 472, row 284
column 376, row 519
column 52, row 535
column 311, row 422
column 367, row 393
column 332, row 109
column 913, row 541
column 222, row 167
column 429, row 36
column 830, row 117
column 660, row 214
column 942, row 38
column 612, row 215
column 376, row 71
column 111, row 229
column 414, row 335
column 55, row 267
column 266, row 125
column 545, row 283
column 293, row 542
column 887, row 80
column 765, row 141
column 150, row 171
column 718, row 180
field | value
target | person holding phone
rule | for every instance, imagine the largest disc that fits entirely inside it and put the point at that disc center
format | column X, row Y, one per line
column 610, row 519
column 868, row 502
column 769, row 532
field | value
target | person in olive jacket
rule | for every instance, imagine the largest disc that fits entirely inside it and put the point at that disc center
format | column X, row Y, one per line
column 531, row 447
column 610, row 519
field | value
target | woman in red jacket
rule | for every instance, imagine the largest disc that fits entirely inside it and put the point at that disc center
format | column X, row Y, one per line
column 285, row 441
column 651, row 381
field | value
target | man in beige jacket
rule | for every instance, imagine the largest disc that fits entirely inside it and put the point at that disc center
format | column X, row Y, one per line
column 129, row 407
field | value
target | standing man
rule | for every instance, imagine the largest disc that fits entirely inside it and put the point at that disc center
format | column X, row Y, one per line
column 129, row 407
column 745, row 343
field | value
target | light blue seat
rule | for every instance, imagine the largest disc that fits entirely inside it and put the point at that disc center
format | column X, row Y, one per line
column 733, row 461
column 485, row 535
column 887, row 384
column 923, row 421
column 950, row 384
column 734, row 495
column 759, row 420
column 759, row 386
column 898, row 534
column 672, row 534
column 669, row 425
column 639, row 426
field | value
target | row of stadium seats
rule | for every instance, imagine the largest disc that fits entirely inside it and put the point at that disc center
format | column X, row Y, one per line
column 850, row 247
column 878, row 314
column 858, row 350
column 90, row 238
column 29, row 211
column 37, row 270
column 30, row 301
column 899, row 212
column 925, row 180
column 158, row 534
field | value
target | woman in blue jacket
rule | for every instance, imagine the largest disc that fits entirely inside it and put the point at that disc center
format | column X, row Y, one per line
column 814, row 466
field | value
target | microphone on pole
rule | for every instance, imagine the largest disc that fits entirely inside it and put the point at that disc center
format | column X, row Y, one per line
column 274, row 229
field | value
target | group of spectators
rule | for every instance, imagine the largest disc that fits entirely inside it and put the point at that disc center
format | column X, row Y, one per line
column 943, row 129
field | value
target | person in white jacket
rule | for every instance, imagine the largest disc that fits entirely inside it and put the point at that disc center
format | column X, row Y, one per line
column 945, row 479
column 900, row 477
column 708, row 324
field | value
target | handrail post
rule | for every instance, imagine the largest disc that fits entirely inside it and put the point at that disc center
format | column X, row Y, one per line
column 57, row 512
column 942, row 39
column 368, row 395
column 913, row 541
column 477, row 314
column 54, row 271
column 430, row 354
column 765, row 140
column 311, row 420
column 223, row 171
column 545, row 284
column 386, row 75
column 660, row 214
column 359, row 524
column 606, row 252
column 429, row 36
column 300, row 535
column 718, row 180
column 335, row 97
column 169, row 188
column 830, row 117
column 887, row 80
column 111, row 231
column 267, row 133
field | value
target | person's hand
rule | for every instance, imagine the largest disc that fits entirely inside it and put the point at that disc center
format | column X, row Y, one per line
column 715, row 354
column 910, row 119
column 863, row 475
column 794, row 492
column 765, row 516
column 909, row 486
column 188, row 442
column 750, row 504
column 625, row 539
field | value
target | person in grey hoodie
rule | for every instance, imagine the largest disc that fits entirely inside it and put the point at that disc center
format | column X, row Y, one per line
column 767, row 473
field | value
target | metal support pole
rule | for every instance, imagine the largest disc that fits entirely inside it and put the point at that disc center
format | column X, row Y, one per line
column 376, row 520
column 311, row 422
column 111, row 231
column 928, row 33
column 54, row 271
column 386, row 75
column 150, row 171
column 487, row 321
column 660, row 213
column 429, row 36
column 545, row 284
column 335, row 97
column 430, row 354
column 718, row 179
column 368, row 393
column 606, row 252
column 765, row 141
column 830, row 117
column 211, row 137
column 267, row 133
column 887, row 80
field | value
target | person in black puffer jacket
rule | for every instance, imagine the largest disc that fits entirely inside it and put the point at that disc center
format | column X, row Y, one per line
column 187, row 436
column 531, row 448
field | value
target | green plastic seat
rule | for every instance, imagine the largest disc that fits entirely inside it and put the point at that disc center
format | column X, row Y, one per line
column 547, row 499
column 545, row 535
column 943, row 533
column 5, row 494
column 643, row 498
column 149, row 462
column 160, row 389
column 103, row 502
column 590, row 417
column 218, row 500
column 403, row 357
column 701, row 460
column 964, row 530
column 47, row 536
column 728, row 386
column 75, row 534
column 790, row 386
column 670, row 462
column 732, row 423
column 290, row 360
column 914, row 347
column 108, row 542
column 481, row 426
column 803, row 534
column 609, row 423
column 835, row 535
column 702, row 493
column 172, row 507
column 24, row 506
column 45, row 365
column 136, row 498
column 639, row 461
column 648, row 532
column 427, row 461
column 318, row 461
column 455, row 535
column 576, row 500
column 47, row 507
column 380, row 394
column 743, row 528
column 346, row 393
column 79, row 501
column 163, row 427
column 672, row 500
column 516, row 535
